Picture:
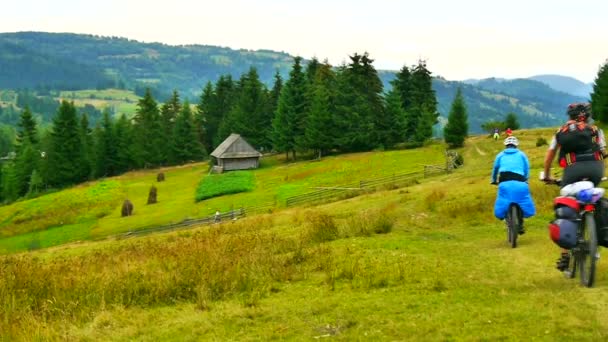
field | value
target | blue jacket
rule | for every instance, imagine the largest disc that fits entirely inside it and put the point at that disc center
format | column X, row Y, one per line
column 512, row 160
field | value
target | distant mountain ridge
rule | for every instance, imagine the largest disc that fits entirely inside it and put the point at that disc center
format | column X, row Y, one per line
column 39, row 60
column 569, row 85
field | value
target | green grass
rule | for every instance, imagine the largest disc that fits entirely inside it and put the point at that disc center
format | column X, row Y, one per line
column 427, row 262
column 99, row 215
column 216, row 185
column 123, row 101
column 442, row 272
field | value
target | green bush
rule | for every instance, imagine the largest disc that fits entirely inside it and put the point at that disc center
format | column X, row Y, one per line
column 224, row 184
column 541, row 142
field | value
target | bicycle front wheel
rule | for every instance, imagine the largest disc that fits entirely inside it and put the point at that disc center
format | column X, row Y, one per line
column 588, row 250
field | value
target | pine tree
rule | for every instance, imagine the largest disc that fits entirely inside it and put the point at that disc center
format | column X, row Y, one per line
column 87, row 144
column 395, row 118
column 248, row 117
column 358, row 105
column 25, row 163
column 9, row 184
column 205, row 118
column 275, row 93
column 124, row 149
column 457, row 127
column 225, row 93
column 186, row 147
column 168, row 114
column 106, row 152
column 27, row 127
column 320, row 127
column 402, row 84
column 423, row 102
column 65, row 152
column 290, row 119
column 511, row 121
column 599, row 96
column 148, row 147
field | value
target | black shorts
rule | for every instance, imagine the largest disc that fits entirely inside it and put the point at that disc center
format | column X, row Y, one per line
column 593, row 169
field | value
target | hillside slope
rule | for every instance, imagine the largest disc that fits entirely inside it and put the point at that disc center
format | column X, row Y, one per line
column 124, row 62
column 428, row 262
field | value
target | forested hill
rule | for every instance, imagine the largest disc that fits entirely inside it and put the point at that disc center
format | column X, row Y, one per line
column 66, row 61
column 75, row 61
column 534, row 103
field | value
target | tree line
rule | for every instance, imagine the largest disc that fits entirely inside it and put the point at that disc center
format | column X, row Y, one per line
column 318, row 108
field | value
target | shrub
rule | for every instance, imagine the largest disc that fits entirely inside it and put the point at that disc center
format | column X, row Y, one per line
column 321, row 227
column 541, row 142
column 370, row 222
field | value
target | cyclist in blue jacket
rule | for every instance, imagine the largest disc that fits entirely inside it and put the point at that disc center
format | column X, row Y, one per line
column 511, row 172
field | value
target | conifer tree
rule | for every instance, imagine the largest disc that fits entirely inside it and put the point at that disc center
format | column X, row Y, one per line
column 205, row 117
column 9, row 184
column 457, row 127
column 124, row 154
column 358, row 104
column 186, row 147
column 106, row 153
column 27, row 127
column 599, row 96
column 394, row 120
column 87, row 145
column 65, row 154
column 25, row 163
column 225, row 93
column 248, row 117
column 148, row 147
column 275, row 93
column 168, row 114
column 511, row 121
column 423, row 105
column 289, row 122
column 320, row 127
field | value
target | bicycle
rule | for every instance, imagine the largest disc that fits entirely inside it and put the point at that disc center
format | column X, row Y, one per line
column 584, row 255
column 514, row 222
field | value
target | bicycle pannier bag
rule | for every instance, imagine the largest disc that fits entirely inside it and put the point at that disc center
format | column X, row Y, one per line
column 563, row 232
column 601, row 221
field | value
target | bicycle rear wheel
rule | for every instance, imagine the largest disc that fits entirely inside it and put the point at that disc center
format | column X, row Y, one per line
column 587, row 255
column 513, row 225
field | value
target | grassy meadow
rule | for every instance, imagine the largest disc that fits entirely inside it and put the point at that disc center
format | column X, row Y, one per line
column 91, row 211
column 426, row 262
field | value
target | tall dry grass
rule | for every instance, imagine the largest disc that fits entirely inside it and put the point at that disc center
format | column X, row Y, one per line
column 242, row 259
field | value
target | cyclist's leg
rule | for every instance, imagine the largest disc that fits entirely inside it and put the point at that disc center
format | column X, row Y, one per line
column 521, row 221
column 563, row 260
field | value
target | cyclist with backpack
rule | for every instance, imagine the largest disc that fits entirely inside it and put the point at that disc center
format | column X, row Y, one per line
column 581, row 148
column 511, row 171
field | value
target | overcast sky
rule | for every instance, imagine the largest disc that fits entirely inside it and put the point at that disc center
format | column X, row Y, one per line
column 460, row 39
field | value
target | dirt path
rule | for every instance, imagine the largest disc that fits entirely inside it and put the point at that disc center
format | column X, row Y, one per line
column 480, row 151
